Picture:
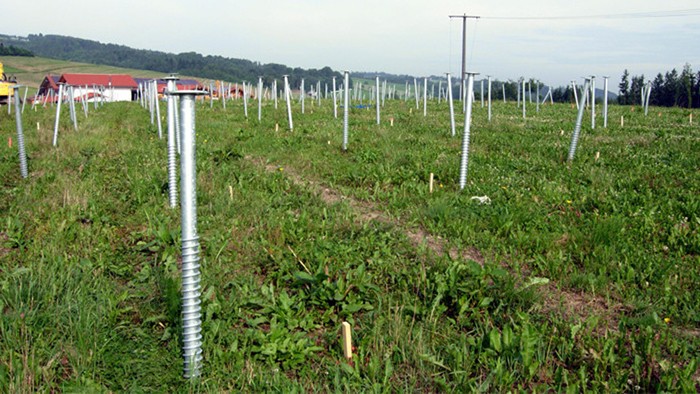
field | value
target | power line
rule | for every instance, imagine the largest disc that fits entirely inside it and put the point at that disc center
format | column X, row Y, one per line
column 629, row 15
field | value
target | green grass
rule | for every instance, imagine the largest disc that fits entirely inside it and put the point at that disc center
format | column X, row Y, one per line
column 586, row 277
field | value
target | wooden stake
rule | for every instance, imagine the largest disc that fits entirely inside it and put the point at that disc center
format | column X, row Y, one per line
column 230, row 191
column 691, row 118
column 391, row 120
column 39, row 128
column 277, row 127
column 622, row 121
column 347, row 340
column 9, row 142
column 597, row 156
column 431, row 182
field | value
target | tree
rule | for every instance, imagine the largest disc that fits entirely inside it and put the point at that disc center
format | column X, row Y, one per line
column 657, row 89
column 635, row 92
column 624, row 86
column 687, row 80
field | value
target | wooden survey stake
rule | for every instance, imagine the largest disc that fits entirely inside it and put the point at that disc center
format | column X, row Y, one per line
column 346, row 337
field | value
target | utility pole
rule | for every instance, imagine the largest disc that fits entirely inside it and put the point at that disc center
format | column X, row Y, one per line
column 464, row 43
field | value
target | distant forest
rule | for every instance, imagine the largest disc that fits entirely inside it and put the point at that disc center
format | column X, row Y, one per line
column 11, row 50
column 667, row 90
column 189, row 63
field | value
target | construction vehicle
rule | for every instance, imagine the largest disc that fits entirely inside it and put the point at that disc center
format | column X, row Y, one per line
column 5, row 86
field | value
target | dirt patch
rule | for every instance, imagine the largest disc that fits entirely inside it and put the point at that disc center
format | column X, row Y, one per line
column 4, row 238
column 367, row 212
column 573, row 305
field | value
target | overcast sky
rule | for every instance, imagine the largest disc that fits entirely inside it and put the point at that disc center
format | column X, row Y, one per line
column 413, row 37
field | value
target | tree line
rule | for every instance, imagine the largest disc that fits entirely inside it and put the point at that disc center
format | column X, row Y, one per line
column 188, row 63
column 670, row 89
column 11, row 50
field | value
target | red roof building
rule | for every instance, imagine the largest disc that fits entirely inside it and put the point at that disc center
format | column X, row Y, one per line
column 107, row 87
column 106, row 80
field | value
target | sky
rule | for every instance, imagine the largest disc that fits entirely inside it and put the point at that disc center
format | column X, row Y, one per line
column 414, row 37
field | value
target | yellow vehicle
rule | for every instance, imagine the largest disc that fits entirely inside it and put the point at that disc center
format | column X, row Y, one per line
column 5, row 86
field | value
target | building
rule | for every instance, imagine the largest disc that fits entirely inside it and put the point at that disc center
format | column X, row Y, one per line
column 182, row 84
column 49, row 84
column 108, row 87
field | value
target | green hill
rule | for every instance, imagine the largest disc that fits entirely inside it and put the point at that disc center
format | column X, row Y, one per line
column 188, row 63
column 30, row 71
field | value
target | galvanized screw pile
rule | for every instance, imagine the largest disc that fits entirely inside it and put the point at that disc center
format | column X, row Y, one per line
column 415, row 85
column 452, row 106
column 524, row 100
column 20, row 135
column 592, row 101
column 489, row 98
column 346, row 100
column 425, row 96
column 58, row 114
column 378, row 103
column 482, row 93
column 573, row 87
column 648, row 96
column 579, row 120
column 605, row 102
column 260, row 93
column 335, row 102
column 191, row 289
column 302, row 93
column 288, row 98
column 157, row 105
column 245, row 98
column 172, row 130
column 71, row 105
column 467, row 125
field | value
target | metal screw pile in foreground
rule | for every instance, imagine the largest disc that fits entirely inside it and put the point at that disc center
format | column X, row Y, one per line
column 20, row 134
column 579, row 120
column 191, row 289
column 346, row 100
column 465, row 141
column 172, row 148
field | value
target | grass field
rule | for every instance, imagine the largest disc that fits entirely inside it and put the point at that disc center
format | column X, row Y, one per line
column 577, row 276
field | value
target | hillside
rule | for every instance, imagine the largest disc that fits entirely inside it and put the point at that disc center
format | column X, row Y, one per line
column 30, row 71
column 189, row 63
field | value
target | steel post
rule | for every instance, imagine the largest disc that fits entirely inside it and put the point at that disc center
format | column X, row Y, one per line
column 20, row 133
column 579, row 120
column 464, row 164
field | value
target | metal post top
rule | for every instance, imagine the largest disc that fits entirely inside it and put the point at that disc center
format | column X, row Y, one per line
column 189, row 93
column 172, row 77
